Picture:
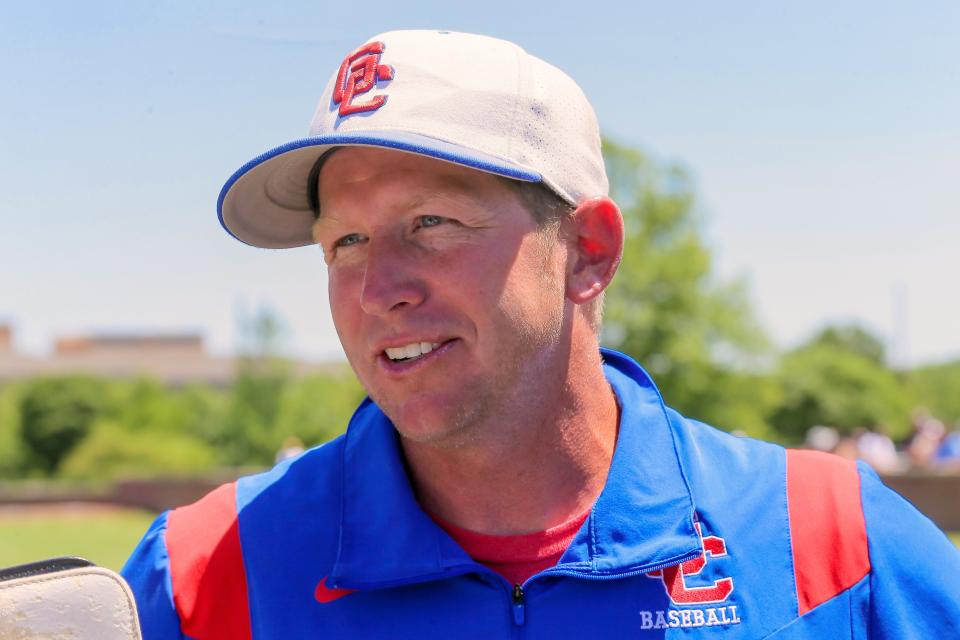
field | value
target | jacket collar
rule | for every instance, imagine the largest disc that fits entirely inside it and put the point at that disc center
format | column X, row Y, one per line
column 642, row 520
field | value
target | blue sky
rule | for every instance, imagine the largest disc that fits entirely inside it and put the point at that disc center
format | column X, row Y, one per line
column 824, row 138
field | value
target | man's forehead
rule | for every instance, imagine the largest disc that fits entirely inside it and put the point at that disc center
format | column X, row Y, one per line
column 410, row 179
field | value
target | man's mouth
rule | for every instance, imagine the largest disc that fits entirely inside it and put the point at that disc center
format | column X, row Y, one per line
column 411, row 357
column 412, row 351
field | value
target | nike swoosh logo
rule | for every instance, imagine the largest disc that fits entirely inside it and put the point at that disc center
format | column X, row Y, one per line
column 325, row 594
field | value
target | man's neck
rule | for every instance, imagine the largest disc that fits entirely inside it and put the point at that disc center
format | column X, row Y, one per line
column 531, row 469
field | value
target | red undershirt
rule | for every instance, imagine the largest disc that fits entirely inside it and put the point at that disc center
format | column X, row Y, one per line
column 516, row 558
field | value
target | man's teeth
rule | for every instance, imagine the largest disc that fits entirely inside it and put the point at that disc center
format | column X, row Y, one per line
column 412, row 350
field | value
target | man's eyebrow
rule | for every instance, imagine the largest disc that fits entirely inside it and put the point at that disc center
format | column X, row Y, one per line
column 326, row 221
column 457, row 189
column 416, row 201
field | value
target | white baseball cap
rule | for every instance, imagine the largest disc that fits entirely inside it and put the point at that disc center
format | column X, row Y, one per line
column 473, row 100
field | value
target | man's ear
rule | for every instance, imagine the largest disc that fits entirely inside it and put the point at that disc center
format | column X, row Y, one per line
column 594, row 234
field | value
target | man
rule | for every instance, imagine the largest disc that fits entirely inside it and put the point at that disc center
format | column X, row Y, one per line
column 507, row 478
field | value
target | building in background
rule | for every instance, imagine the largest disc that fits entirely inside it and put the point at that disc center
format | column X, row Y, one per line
column 176, row 359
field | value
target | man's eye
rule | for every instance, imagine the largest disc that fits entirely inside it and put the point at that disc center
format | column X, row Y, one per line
column 347, row 240
column 430, row 221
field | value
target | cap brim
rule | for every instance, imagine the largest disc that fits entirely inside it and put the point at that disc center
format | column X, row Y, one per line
column 265, row 202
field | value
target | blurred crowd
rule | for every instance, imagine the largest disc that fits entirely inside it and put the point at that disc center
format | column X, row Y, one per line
column 930, row 446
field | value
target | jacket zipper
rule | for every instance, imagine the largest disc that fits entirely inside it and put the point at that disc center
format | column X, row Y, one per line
column 518, row 604
column 518, row 595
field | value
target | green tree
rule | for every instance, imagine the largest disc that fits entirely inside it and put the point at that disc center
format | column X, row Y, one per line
column 840, row 388
column 853, row 339
column 143, row 404
column 11, row 445
column 247, row 436
column 937, row 387
column 111, row 451
column 55, row 415
column 696, row 336
column 207, row 408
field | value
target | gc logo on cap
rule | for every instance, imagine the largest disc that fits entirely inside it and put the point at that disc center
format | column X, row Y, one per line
column 359, row 73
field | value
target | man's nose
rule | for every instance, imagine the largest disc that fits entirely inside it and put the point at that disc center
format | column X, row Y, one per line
column 390, row 280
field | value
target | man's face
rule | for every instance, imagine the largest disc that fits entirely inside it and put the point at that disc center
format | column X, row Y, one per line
column 428, row 256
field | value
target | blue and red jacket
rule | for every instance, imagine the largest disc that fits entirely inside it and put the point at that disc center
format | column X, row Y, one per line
column 697, row 533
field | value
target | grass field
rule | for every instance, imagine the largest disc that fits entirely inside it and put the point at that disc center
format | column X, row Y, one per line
column 105, row 537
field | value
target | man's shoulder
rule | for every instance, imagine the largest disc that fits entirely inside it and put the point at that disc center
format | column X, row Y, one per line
column 218, row 539
column 831, row 482
column 701, row 444
column 313, row 476
column 717, row 458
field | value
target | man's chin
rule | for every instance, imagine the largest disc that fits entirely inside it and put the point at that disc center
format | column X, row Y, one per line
column 429, row 422
column 428, row 430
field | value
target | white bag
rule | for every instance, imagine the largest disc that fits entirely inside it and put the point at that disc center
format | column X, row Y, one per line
column 66, row 598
